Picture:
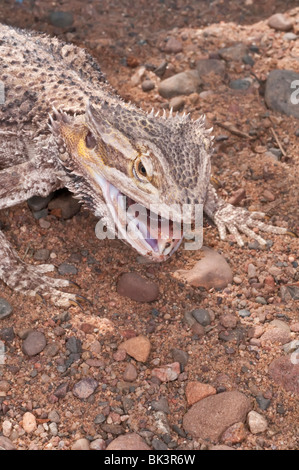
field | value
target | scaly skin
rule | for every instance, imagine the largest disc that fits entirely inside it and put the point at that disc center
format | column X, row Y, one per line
column 100, row 148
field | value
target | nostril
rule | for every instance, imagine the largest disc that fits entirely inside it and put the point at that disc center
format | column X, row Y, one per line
column 90, row 141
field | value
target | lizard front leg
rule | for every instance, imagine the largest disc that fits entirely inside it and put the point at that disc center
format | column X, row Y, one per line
column 236, row 219
column 16, row 185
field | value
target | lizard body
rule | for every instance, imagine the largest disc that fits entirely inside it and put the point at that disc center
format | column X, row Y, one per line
column 100, row 148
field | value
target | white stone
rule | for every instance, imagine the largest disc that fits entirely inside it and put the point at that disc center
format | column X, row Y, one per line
column 6, row 428
column 29, row 422
column 256, row 422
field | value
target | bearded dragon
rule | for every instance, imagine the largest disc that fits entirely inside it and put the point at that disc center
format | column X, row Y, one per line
column 62, row 125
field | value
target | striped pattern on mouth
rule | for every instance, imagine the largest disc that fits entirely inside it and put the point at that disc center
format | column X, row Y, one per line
column 150, row 234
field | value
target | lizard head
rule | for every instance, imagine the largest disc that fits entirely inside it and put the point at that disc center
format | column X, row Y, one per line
column 149, row 170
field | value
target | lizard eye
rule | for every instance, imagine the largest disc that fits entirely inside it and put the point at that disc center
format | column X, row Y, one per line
column 140, row 171
column 90, row 141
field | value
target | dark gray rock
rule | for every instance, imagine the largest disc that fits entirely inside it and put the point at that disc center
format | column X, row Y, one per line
column 37, row 203
column 263, row 402
column 240, row 84
column 74, row 345
column 62, row 390
column 202, row 316
column 41, row 254
column 147, row 85
column 64, row 206
column 61, row 19
column 5, row 309
column 161, row 405
column 180, row 356
column 65, row 269
column 7, row 334
column 281, row 94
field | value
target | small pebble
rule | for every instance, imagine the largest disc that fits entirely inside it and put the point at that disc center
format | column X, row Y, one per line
column 53, row 429
column 66, row 269
column 244, row 313
column 234, row 434
column 5, row 309
column 196, row 391
column 138, row 347
column 6, row 443
column 290, row 37
column 54, row 416
column 29, row 422
column 167, row 373
column 256, row 422
column 34, row 343
column 240, row 84
column 41, row 255
column 202, row 316
column 173, row 45
column 98, row 444
column 263, row 402
column 6, row 428
column 130, row 373
column 180, row 356
column 280, row 22
column 177, row 103
column 147, row 85
column 81, row 444
column 228, row 320
column 84, row 388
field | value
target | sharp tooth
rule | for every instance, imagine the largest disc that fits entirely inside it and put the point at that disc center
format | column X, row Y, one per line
column 165, row 246
column 122, row 202
column 142, row 228
column 114, row 192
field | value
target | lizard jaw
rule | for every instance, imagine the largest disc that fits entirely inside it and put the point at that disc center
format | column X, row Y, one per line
column 138, row 232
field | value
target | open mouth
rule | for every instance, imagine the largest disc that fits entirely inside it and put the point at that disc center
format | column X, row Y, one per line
column 150, row 234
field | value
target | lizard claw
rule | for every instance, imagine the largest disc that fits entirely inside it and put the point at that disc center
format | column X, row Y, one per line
column 76, row 302
column 238, row 220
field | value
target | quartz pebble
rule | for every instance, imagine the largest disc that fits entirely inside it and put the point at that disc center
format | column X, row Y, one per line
column 81, row 444
column 167, row 373
column 29, row 422
column 256, row 422
column 6, row 428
